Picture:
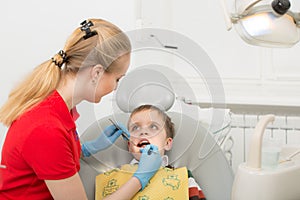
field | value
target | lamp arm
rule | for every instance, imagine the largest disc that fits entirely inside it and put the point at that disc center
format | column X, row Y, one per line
column 297, row 18
column 251, row 5
column 226, row 15
column 232, row 19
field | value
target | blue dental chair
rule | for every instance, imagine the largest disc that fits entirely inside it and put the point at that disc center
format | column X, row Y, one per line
column 193, row 145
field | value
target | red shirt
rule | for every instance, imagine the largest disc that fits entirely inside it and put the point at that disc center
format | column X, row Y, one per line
column 40, row 145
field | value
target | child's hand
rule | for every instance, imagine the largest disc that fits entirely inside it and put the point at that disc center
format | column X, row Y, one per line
column 150, row 162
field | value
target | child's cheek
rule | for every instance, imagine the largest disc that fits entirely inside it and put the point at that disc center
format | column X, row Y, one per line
column 137, row 156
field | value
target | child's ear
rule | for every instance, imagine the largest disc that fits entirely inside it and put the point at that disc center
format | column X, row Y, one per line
column 169, row 143
column 128, row 145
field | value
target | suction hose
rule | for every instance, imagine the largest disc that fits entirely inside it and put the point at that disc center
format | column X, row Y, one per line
column 254, row 156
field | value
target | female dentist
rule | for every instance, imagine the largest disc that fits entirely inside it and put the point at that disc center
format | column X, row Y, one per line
column 41, row 152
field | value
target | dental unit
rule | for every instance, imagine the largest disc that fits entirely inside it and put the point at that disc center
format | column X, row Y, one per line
column 264, row 23
column 276, row 182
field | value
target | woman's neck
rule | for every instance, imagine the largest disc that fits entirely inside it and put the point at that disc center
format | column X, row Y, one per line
column 67, row 92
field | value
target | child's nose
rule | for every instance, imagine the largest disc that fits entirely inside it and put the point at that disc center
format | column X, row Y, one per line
column 144, row 133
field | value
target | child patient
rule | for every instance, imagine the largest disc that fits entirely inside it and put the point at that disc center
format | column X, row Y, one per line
column 150, row 126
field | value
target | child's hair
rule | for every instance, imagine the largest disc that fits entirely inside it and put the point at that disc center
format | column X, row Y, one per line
column 96, row 42
column 169, row 125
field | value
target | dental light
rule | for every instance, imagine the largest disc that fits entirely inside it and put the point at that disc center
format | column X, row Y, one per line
column 261, row 23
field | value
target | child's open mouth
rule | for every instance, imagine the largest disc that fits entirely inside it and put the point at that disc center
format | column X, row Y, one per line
column 143, row 143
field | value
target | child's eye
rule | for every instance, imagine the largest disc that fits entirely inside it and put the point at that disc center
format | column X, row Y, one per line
column 134, row 128
column 154, row 127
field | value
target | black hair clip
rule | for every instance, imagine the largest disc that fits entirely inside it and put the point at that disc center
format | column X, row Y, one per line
column 85, row 26
column 63, row 55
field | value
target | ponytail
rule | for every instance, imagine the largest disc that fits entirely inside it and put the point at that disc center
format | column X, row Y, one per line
column 37, row 86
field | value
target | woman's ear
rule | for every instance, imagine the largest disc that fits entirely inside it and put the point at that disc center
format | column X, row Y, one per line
column 96, row 72
column 169, row 143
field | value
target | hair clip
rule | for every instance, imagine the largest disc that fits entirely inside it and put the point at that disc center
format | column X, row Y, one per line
column 63, row 55
column 85, row 26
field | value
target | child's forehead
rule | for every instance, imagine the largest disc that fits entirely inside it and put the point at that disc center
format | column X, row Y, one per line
column 148, row 114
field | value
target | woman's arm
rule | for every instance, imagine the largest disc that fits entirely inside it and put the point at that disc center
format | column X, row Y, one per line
column 67, row 189
column 127, row 191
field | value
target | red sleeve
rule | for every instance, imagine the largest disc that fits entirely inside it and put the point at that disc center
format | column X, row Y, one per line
column 50, row 154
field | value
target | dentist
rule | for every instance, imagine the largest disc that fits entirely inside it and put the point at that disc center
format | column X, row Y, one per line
column 41, row 152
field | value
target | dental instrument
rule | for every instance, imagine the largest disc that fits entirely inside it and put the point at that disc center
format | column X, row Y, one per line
column 119, row 128
column 289, row 158
column 124, row 135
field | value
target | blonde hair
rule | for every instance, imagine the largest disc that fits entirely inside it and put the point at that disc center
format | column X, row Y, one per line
column 105, row 47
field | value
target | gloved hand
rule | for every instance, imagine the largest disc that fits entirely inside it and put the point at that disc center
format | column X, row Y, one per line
column 150, row 162
column 106, row 138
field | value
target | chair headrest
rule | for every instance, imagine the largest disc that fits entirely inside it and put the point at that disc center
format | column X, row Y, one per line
column 144, row 86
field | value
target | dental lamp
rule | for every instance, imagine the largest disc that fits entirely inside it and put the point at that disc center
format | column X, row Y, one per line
column 264, row 23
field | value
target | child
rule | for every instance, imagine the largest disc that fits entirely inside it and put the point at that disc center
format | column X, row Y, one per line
column 148, row 125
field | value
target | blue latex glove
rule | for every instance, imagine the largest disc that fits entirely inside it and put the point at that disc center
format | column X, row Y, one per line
column 106, row 138
column 150, row 162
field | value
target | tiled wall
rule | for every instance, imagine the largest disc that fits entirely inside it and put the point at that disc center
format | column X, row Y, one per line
column 285, row 129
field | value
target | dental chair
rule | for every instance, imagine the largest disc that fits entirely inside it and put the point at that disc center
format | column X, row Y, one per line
column 193, row 146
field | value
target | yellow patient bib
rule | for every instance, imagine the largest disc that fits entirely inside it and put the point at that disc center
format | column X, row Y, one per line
column 166, row 184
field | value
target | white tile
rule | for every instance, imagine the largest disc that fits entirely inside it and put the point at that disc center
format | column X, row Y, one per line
column 293, row 122
column 238, row 148
column 238, row 120
column 293, row 137
column 248, row 137
column 251, row 120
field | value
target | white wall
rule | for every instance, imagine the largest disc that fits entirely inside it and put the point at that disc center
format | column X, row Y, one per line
column 33, row 31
